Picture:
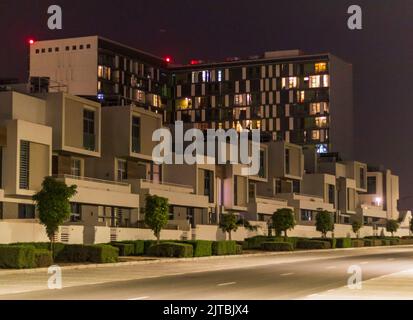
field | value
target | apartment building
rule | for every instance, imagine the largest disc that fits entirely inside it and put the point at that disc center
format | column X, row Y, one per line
column 102, row 70
column 55, row 134
column 290, row 96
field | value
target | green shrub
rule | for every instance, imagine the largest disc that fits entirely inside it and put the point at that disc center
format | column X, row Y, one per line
column 17, row 257
column 313, row 244
column 343, row 243
column 332, row 241
column 58, row 247
column 255, row 242
column 43, row 258
column 171, row 249
column 224, row 247
column 385, row 242
column 73, row 253
column 277, row 246
column 372, row 242
column 357, row 243
column 102, row 253
column 201, row 248
column 238, row 249
column 406, row 241
column 125, row 249
column 139, row 246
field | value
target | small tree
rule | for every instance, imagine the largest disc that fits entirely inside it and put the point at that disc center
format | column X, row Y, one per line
column 392, row 226
column 53, row 204
column 324, row 223
column 356, row 226
column 228, row 223
column 156, row 214
column 247, row 225
column 283, row 220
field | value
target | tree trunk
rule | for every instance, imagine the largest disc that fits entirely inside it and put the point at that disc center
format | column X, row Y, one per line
column 285, row 235
column 52, row 245
column 158, row 238
column 229, row 235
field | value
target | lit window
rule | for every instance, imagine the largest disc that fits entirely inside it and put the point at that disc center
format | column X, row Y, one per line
column 182, row 104
column 238, row 100
column 321, row 148
column 321, row 122
column 156, row 100
column 99, row 85
column 140, row 96
column 100, row 71
column 75, row 167
column 122, row 170
column 320, row 67
column 315, row 135
column 219, row 75
column 249, row 99
column 315, row 108
column 326, row 80
column 206, row 76
column 289, row 83
column 301, row 96
column 314, row 81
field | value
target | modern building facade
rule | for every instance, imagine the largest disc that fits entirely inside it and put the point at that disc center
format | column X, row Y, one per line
column 288, row 95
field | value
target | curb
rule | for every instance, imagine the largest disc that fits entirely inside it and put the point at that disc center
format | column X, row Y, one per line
column 169, row 260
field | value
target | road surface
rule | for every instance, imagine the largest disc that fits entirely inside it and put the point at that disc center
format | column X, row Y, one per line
column 387, row 273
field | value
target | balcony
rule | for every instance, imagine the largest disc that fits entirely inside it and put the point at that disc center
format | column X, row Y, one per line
column 306, row 201
column 92, row 183
column 266, row 205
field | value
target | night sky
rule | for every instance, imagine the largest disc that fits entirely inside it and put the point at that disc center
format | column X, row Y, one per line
column 381, row 53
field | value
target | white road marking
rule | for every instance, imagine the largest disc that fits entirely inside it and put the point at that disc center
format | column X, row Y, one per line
column 226, row 284
column 390, row 259
column 139, row 298
column 331, row 267
column 286, row 274
column 364, row 262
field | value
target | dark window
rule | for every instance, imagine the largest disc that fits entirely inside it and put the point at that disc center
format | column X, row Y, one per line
column 50, row 50
column 67, row 48
column 26, row 211
column 24, row 164
column 76, row 212
column 287, row 161
column 88, row 46
column 371, row 185
column 43, row 50
column 261, row 173
column 81, row 47
column 209, row 185
column 55, row 164
column 37, row 51
column 136, row 134
column 346, row 220
column 89, row 129
column 73, row 47
column 362, row 177
column 296, row 186
column 251, row 190
column 331, row 194
column 278, row 186
column 306, row 215
column 56, row 49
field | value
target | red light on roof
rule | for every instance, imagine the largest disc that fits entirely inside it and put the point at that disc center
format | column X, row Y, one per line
column 194, row 62
column 168, row 59
column 31, row 41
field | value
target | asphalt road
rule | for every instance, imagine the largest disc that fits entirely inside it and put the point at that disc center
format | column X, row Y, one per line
column 265, row 278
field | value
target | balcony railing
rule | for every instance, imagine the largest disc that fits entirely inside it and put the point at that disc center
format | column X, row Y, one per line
column 68, row 176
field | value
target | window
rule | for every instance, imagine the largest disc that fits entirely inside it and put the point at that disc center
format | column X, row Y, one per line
column 238, row 100
column 24, row 164
column 156, row 101
column 50, row 50
column 331, row 194
column 136, row 134
column 73, row 47
column 301, row 96
column 26, row 211
column 371, row 185
column 219, row 76
column 122, row 173
column 75, row 167
column 289, row 83
column 67, row 48
column 296, row 186
column 314, row 81
column 320, row 67
column 37, row 51
column 251, row 190
column 321, row 122
column 315, row 134
column 89, row 129
column 346, row 220
column 326, row 80
column 287, row 161
column 315, row 108
column 88, row 46
column 278, row 186
column 81, row 47
column 156, row 172
column 140, row 96
column 43, row 50
column 56, row 49
column 262, row 171
column 362, row 178
column 209, row 185
column 182, row 104
column 322, row 148
column 75, row 212
column 306, row 215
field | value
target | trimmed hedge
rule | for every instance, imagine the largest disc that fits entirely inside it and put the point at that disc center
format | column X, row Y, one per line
column 313, row 244
column 372, row 242
column 343, row 243
column 332, row 241
column 43, row 258
column 138, row 246
column 17, row 257
column 406, row 241
column 255, row 242
column 201, row 248
column 102, row 253
column 277, row 246
column 58, row 247
column 357, row 243
column 171, row 249
column 125, row 249
column 224, row 247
